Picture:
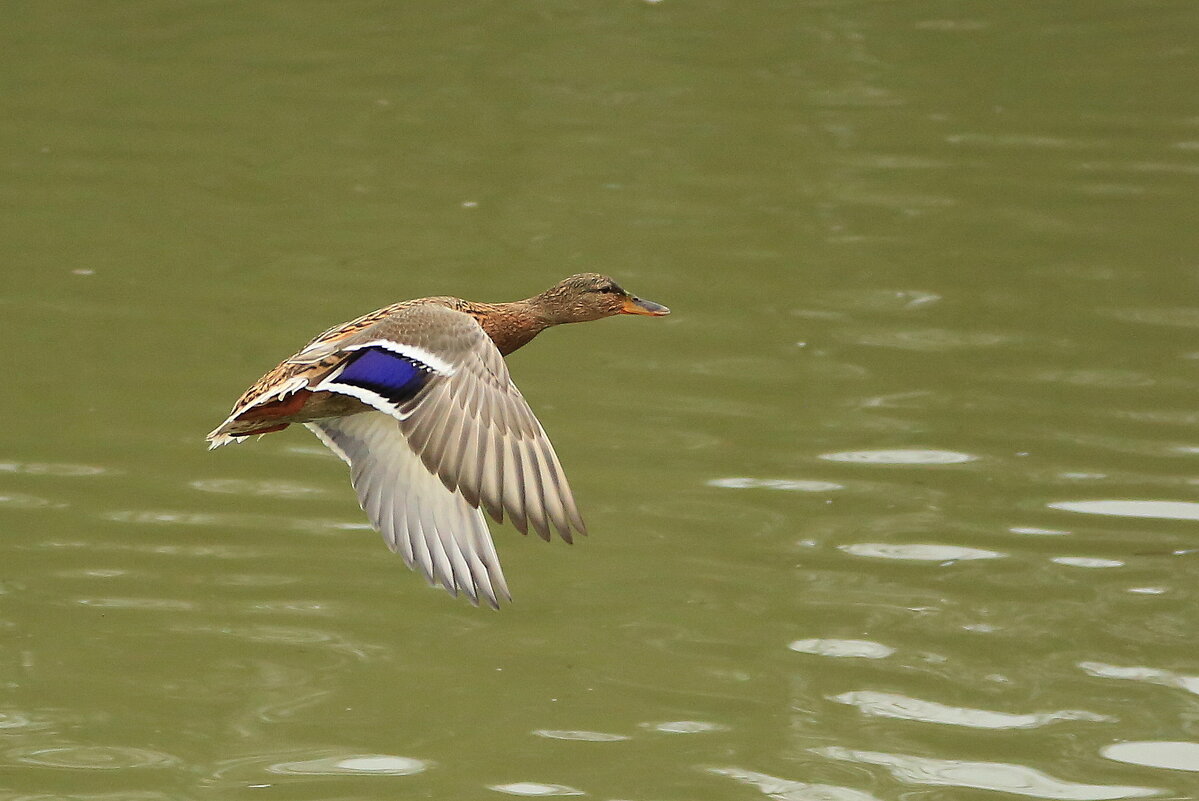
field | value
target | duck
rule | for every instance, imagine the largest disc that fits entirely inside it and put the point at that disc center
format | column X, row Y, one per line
column 416, row 398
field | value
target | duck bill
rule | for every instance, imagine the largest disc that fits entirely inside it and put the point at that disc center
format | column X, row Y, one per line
column 648, row 308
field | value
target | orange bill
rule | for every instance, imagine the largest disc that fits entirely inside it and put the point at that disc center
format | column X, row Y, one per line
column 634, row 305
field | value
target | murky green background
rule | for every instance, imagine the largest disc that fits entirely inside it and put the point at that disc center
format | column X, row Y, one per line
column 901, row 502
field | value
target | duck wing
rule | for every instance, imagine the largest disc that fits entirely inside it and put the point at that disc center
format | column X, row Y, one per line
column 435, row 531
column 437, row 372
column 451, row 435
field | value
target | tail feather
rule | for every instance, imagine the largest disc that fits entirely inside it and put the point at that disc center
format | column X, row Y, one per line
column 251, row 418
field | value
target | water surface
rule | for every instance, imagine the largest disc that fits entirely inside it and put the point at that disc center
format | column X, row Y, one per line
column 898, row 503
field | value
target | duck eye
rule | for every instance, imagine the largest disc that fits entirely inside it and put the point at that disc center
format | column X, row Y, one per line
column 609, row 289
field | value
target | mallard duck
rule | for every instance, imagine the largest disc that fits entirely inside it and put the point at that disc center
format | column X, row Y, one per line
column 416, row 398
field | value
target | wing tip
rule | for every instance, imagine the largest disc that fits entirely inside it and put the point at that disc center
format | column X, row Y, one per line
column 571, row 527
column 501, row 593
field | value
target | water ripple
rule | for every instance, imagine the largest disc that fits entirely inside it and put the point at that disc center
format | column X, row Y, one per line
column 19, row 500
column 684, row 727
column 146, row 795
column 1185, row 317
column 1166, row 510
column 1000, row 776
column 1039, row 532
column 581, row 735
column 951, row 25
column 1024, row 140
column 893, row 705
column 786, row 790
column 97, row 573
column 877, row 299
column 793, row 485
column 861, row 649
column 11, row 721
column 154, row 604
column 1108, row 378
column 229, row 519
column 252, row 580
column 92, row 757
column 368, row 764
column 288, row 490
column 535, row 789
column 50, row 469
column 1155, row 754
column 919, row 552
column 902, row 456
column 294, row 608
column 1149, row 675
column 288, row 635
column 933, row 340
column 1086, row 561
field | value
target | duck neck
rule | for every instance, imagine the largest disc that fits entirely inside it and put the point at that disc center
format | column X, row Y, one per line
column 513, row 325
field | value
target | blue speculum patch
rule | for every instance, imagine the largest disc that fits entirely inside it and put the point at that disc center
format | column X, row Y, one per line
column 396, row 378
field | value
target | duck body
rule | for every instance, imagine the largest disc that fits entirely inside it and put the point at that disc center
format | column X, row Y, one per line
column 417, row 399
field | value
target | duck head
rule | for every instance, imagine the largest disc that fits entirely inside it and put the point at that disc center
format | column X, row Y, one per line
column 591, row 296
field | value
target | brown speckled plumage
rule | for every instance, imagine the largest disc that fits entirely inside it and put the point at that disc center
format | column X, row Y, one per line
column 416, row 398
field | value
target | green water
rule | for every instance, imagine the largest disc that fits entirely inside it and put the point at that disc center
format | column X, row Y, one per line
column 900, row 503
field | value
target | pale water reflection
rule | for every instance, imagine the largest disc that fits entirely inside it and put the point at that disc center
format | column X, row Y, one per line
column 20, row 500
column 583, row 736
column 900, row 457
column 685, row 727
column 1155, row 754
column 1167, row 510
column 227, row 520
column 862, row 649
column 92, row 757
column 998, row 776
column 792, row 484
column 271, row 489
column 294, row 768
column 131, row 795
column 788, row 790
column 919, row 552
column 12, row 720
column 371, row 764
column 1039, row 532
column 1086, row 561
column 57, row 470
column 1149, row 675
column 893, row 705
column 536, row 789
column 314, row 638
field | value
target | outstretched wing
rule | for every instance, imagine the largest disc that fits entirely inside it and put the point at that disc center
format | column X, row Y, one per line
column 437, row 372
column 436, row 531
